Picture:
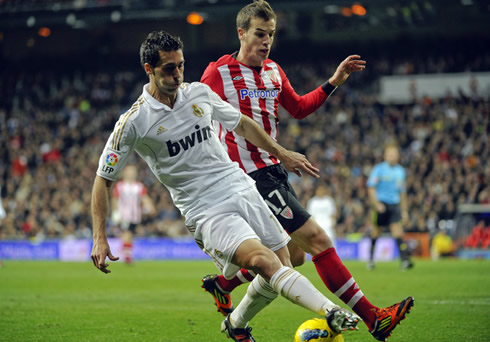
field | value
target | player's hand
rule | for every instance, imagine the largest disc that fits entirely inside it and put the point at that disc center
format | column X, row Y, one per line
column 296, row 162
column 349, row 65
column 101, row 250
column 380, row 207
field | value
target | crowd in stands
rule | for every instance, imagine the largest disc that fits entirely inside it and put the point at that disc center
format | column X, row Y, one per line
column 53, row 127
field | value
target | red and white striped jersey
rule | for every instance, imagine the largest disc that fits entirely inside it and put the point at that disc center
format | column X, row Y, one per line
column 256, row 95
column 129, row 197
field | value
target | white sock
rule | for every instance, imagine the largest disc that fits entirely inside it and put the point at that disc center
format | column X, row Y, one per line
column 296, row 288
column 259, row 295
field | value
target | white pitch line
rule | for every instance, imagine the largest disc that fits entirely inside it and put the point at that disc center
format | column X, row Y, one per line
column 483, row 301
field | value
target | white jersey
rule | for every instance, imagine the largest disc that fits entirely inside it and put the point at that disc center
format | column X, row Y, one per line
column 180, row 146
column 323, row 210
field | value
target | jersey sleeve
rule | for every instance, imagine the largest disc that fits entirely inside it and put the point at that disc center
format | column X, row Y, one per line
column 223, row 112
column 299, row 106
column 117, row 150
column 373, row 177
column 212, row 78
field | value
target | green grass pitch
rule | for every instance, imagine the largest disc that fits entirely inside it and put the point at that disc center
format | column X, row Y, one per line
column 163, row 301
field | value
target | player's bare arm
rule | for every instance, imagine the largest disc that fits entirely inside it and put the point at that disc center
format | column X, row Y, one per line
column 404, row 208
column 292, row 161
column 100, row 208
column 373, row 199
column 351, row 64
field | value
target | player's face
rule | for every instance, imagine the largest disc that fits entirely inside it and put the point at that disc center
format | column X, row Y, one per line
column 257, row 41
column 169, row 72
column 392, row 155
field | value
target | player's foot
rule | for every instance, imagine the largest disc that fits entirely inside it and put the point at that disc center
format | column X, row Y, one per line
column 370, row 265
column 406, row 265
column 388, row 318
column 340, row 319
column 222, row 298
column 236, row 334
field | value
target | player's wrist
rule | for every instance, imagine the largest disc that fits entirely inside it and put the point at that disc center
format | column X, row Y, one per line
column 328, row 88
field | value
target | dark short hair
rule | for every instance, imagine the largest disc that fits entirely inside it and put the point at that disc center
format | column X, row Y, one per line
column 257, row 9
column 155, row 42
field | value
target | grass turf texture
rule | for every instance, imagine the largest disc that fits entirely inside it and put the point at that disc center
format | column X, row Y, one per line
column 163, row 301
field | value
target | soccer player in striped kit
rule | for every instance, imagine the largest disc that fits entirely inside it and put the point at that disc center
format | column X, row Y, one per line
column 130, row 200
column 256, row 85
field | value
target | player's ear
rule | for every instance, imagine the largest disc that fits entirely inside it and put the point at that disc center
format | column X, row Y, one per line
column 148, row 69
column 241, row 33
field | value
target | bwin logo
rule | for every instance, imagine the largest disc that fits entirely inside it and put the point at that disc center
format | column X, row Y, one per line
column 188, row 141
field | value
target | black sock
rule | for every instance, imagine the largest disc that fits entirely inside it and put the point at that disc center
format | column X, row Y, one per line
column 373, row 246
column 402, row 247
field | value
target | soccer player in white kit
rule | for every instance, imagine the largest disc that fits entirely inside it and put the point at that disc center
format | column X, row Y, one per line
column 323, row 209
column 170, row 127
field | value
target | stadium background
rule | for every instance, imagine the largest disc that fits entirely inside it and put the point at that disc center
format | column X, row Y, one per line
column 70, row 68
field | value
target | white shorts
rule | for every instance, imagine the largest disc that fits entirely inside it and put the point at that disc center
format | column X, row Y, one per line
column 243, row 216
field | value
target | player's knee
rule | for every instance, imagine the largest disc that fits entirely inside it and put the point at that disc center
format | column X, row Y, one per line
column 318, row 239
column 264, row 262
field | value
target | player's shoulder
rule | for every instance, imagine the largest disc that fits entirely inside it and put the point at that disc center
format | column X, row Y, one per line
column 133, row 112
column 269, row 62
column 194, row 88
column 224, row 60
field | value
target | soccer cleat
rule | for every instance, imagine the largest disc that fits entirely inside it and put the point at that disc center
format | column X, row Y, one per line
column 223, row 299
column 370, row 265
column 340, row 319
column 406, row 264
column 236, row 334
column 388, row 318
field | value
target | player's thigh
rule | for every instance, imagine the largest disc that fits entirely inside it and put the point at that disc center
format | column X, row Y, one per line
column 284, row 204
column 396, row 229
column 220, row 235
column 312, row 238
column 395, row 220
column 262, row 220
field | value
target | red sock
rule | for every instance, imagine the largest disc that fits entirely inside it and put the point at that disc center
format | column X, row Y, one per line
column 128, row 252
column 341, row 283
column 243, row 276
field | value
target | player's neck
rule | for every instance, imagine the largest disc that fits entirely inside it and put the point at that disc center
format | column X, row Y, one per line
column 167, row 99
column 247, row 60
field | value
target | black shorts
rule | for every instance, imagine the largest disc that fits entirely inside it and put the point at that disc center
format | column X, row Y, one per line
column 273, row 185
column 391, row 215
column 129, row 226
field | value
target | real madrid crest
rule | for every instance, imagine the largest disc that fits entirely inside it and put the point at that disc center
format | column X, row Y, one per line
column 197, row 110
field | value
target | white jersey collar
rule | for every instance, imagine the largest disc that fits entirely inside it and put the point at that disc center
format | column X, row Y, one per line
column 154, row 103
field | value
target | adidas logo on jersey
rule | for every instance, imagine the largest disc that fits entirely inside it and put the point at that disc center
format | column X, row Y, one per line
column 161, row 130
column 188, row 141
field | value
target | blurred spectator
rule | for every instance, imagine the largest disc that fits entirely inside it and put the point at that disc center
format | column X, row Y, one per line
column 479, row 237
column 442, row 245
column 47, row 165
